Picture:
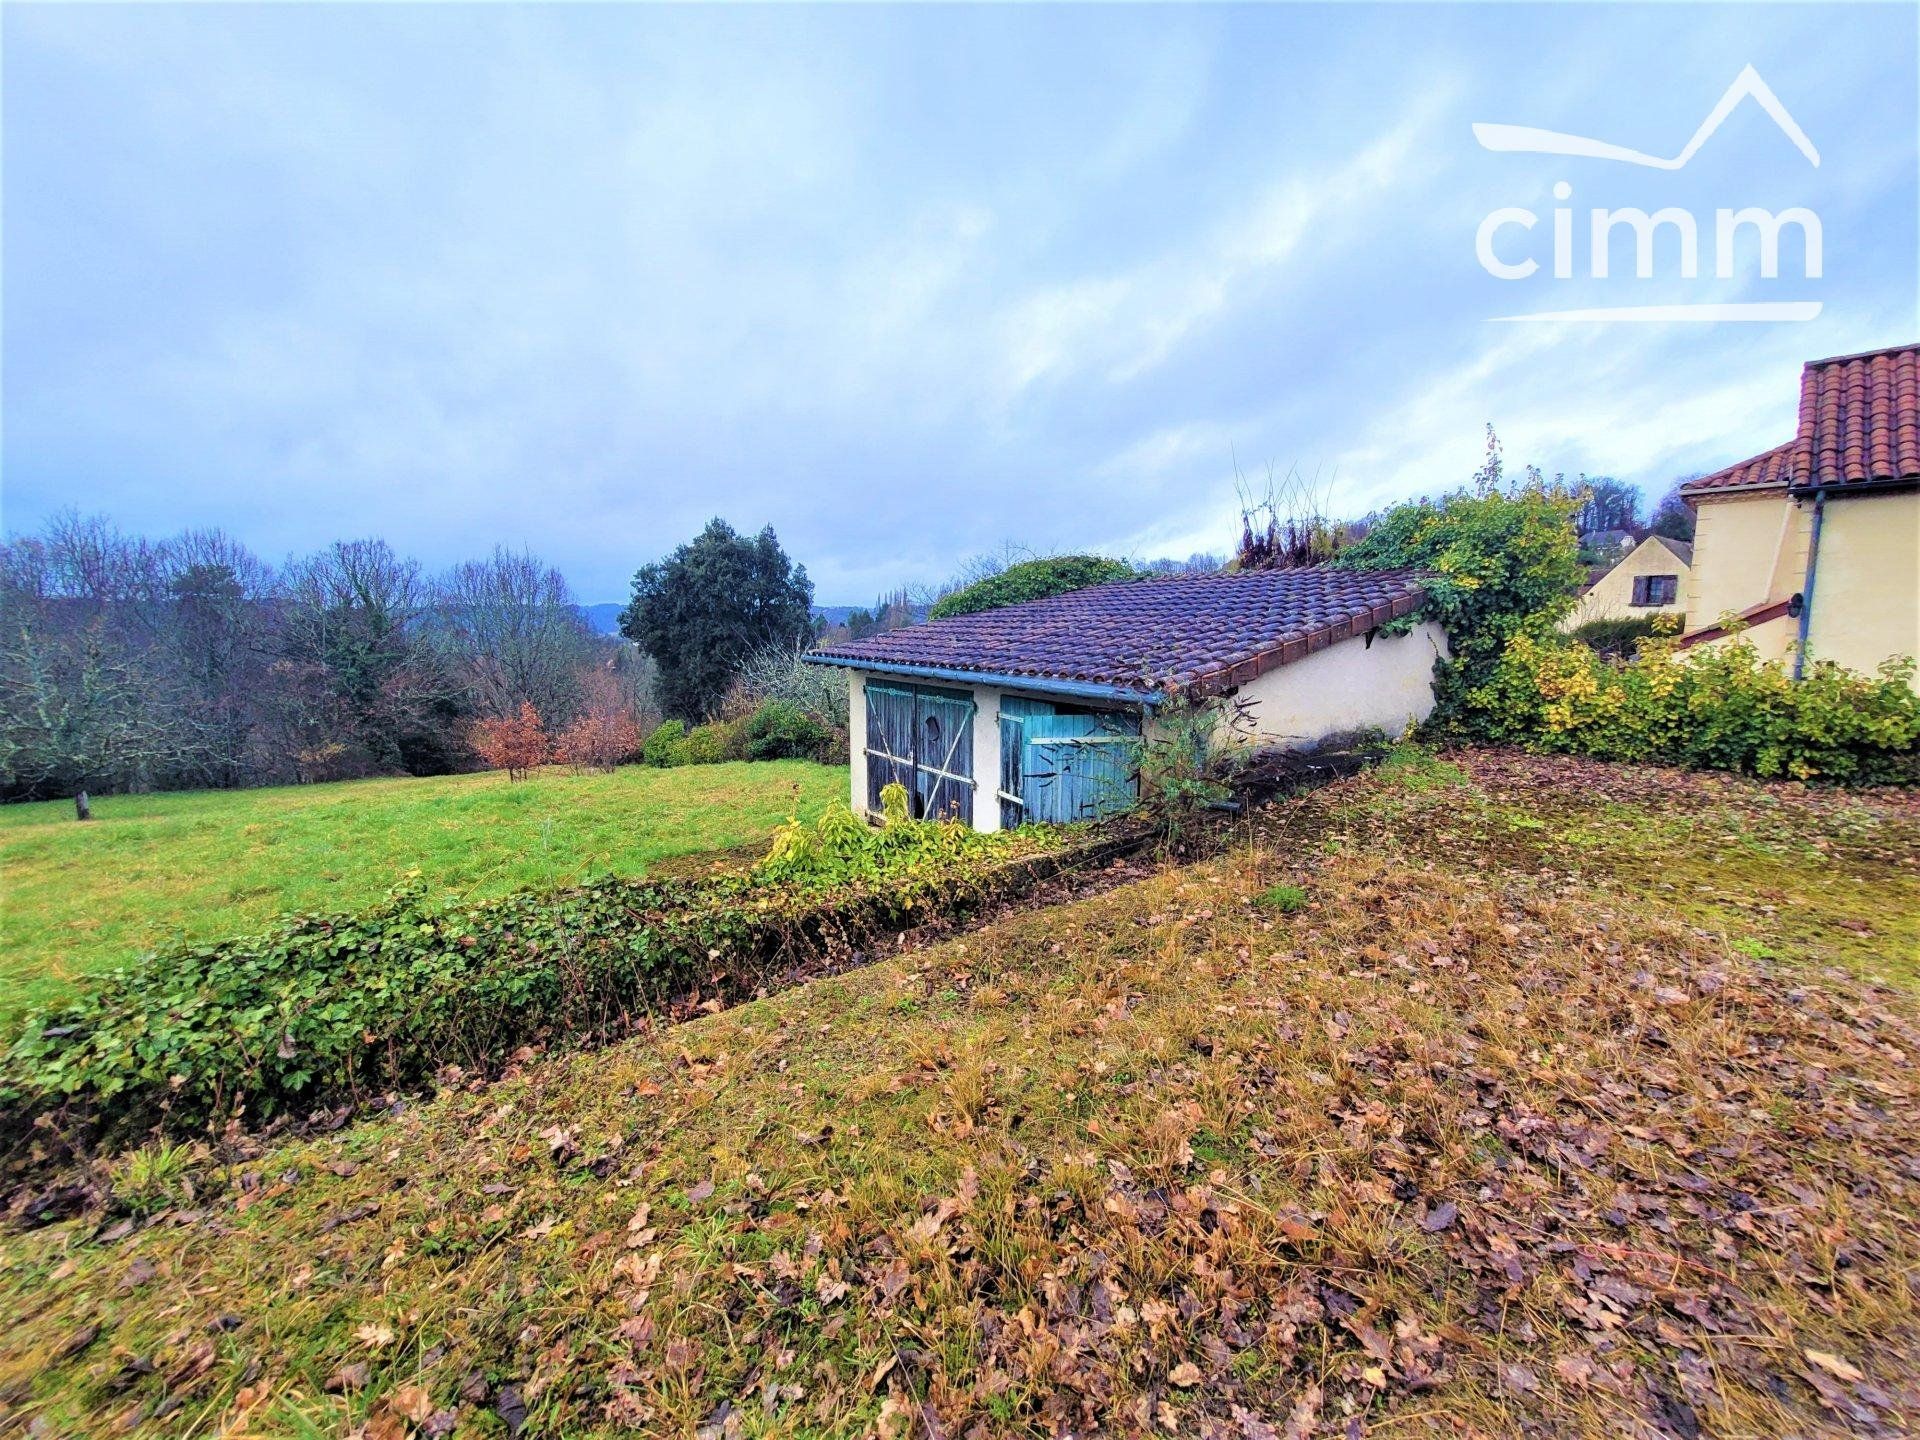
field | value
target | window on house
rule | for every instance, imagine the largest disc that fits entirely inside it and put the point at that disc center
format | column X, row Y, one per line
column 1655, row 589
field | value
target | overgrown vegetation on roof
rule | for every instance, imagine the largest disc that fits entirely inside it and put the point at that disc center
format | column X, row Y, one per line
column 1031, row 580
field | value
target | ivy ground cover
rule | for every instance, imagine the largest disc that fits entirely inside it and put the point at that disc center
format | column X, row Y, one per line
column 1478, row 1095
column 154, row 869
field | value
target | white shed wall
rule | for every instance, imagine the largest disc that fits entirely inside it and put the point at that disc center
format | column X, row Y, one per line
column 1348, row 686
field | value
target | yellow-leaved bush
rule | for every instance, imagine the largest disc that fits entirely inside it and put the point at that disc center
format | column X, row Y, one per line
column 1719, row 707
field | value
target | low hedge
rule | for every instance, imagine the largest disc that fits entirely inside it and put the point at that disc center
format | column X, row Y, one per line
column 672, row 743
column 319, row 1010
column 1717, row 708
column 781, row 730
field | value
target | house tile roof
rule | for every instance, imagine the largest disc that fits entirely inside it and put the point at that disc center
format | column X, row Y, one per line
column 1860, row 419
column 1200, row 633
column 1682, row 549
column 1859, row 425
column 1768, row 470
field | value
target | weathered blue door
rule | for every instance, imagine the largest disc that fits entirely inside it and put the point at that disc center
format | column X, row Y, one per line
column 921, row 736
column 1059, row 767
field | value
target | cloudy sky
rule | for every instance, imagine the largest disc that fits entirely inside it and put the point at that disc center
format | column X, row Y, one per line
column 905, row 283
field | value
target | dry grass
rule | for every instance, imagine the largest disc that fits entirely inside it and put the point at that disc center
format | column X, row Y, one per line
column 1469, row 1143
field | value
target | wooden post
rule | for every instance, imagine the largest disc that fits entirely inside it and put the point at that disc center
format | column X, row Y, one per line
column 81, row 809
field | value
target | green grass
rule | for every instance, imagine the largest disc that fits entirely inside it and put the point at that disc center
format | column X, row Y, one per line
column 1286, row 899
column 1495, row 1136
column 206, row 864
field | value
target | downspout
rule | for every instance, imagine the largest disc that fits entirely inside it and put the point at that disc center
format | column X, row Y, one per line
column 1806, row 590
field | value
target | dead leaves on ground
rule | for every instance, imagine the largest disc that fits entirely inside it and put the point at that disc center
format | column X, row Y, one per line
column 1450, row 1149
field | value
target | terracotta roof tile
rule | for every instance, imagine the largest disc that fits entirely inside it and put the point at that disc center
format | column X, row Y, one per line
column 1859, row 425
column 1198, row 632
column 1764, row 471
column 1860, row 419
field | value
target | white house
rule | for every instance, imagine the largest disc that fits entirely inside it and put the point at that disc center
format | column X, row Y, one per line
column 1032, row 712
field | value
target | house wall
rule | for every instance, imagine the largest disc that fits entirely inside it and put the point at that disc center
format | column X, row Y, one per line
column 1611, row 597
column 1747, row 550
column 1866, row 602
column 1866, row 590
column 986, row 758
column 1348, row 686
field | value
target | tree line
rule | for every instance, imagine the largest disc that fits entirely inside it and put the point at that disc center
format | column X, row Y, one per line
column 128, row 663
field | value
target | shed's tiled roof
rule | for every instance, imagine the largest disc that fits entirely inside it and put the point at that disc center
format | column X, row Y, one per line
column 1195, row 632
column 1859, row 425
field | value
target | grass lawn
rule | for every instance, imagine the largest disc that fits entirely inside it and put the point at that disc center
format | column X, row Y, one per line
column 206, row 864
column 1442, row 1105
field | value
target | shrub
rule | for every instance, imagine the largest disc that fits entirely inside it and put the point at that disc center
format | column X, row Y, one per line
column 841, row 847
column 1031, row 580
column 598, row 740
column 1721, row 708
column 1499, row 559
column 664, row 743
column 711, row 743
column 780, row 730
column 778, row 673
column 514, row 743
column 1186, row 758
column 1619, row 638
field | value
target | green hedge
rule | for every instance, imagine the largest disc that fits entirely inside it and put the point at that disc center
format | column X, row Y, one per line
column 664, row 743
column 1720, row 707
column 781, row 730
column 322, row 1009
column 672, row 743
column 1032, row 580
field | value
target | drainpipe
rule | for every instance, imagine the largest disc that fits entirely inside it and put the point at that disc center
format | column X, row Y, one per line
column 1806, row 591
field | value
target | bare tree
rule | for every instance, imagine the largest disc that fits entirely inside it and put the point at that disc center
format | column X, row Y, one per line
column 514, row 634
column 359, row 668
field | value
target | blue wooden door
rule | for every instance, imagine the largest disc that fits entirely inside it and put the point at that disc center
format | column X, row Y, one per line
column 922, row 737
column 1080, row 766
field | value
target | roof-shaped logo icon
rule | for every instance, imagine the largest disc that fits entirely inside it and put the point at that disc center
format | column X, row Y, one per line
column 1525, row 139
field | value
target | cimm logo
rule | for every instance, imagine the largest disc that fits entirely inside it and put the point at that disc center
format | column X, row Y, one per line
column 1506, row 250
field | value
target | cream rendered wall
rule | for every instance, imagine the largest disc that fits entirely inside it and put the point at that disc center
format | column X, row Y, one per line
column 1611, row 598
column 1747, row 550
column 1866, row 589
column 1348, row 686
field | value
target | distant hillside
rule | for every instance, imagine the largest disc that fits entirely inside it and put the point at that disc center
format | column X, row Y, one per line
column 605, row 619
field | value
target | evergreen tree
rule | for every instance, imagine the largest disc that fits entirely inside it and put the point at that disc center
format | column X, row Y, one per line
column 708, row 606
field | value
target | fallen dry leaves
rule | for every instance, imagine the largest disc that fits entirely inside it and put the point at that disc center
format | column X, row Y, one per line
column 1467, row 1146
